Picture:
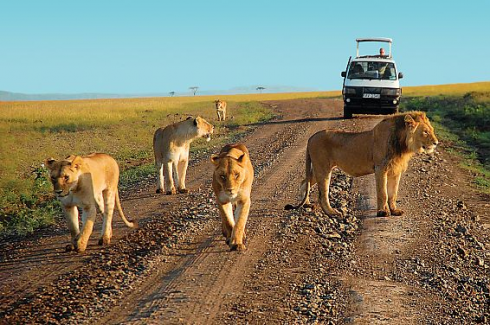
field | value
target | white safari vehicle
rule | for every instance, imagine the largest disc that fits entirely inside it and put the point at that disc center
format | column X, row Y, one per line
column 371, row 82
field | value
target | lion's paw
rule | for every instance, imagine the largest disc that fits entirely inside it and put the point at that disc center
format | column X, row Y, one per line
column 104, row 241
column 334, row 213
column 397, row 212
column 80, row 246
column 237, row 247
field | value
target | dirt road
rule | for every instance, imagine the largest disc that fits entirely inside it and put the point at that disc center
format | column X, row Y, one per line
column 429, row 266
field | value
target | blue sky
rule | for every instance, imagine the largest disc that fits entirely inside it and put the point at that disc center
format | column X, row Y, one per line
column 161, row 46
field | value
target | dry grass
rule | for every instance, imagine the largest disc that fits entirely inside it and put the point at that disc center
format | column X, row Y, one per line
column 447, row 90
column 111, row 111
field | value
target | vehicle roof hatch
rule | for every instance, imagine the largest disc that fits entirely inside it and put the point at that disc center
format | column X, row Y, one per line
column 375, row 39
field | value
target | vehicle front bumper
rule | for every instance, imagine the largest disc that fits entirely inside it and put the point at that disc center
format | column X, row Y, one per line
column 383, row 105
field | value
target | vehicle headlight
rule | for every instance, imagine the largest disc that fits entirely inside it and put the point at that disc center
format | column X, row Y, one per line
column 349, row 91
column 390, row 91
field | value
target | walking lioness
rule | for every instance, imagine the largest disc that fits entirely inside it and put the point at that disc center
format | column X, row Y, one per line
column 385, row 151
column 171, row 148
column 89, row 182
column 232, row 184
column 220, row 109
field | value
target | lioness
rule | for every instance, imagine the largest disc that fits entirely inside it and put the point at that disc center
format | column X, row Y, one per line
column 220, row 109
column 171, row 148
column 385, row 151
column 87, row 182
column 232, row 184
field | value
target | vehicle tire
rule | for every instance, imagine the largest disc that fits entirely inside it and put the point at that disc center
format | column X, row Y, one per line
column 347, row 113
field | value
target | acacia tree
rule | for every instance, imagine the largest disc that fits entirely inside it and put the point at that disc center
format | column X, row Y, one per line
column 260, row 89
column 194, row 89
column 172, row 93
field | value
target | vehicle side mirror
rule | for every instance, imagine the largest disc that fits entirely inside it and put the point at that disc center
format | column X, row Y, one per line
column 343, row 74
column 400, row 75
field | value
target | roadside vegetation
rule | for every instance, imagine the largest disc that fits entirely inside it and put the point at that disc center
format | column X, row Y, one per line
column 36, row 130
column 461, row 116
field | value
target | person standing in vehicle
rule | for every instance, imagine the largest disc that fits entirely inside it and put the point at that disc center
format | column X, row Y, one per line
column 382, row 66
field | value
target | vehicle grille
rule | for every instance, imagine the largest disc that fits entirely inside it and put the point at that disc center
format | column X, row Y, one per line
column 372, row 90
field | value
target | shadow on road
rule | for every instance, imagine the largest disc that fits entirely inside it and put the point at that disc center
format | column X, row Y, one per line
column 301, row 120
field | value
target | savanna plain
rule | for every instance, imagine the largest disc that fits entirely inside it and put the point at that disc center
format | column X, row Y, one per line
column 429, row 266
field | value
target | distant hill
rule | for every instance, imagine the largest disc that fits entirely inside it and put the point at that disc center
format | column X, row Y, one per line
column 10, row 96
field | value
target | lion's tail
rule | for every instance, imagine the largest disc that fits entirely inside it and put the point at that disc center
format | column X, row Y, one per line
column 130, row 224
column 305, row 184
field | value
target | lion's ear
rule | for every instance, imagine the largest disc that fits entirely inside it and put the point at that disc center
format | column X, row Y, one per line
column 50, row 162
column 215, row 159
column 70, row 158
column 241, row 158
column 409, row 121
column 77, row 162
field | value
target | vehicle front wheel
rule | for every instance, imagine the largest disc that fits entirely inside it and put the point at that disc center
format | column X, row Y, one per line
column 347, row 113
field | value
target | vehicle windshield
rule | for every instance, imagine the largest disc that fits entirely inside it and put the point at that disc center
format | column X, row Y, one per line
column 372, row 70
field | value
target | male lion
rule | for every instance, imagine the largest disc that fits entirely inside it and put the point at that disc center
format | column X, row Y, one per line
column 232, row 184
column 171, row 148
column 220, row 109
column 385, row 151
column 89, row 182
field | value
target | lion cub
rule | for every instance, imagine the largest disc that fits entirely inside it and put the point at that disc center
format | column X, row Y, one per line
column 232, row 184
column 171, row 148
column 220, row 109
column 89, row 182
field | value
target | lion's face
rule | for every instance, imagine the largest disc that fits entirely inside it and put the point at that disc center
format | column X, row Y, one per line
column 64, row 175
column 204, row 128
column 230, row 174
column 421, row 135
column 219, row 104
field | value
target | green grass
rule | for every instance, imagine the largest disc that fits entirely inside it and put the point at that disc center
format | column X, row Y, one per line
column 250, row 112
column 463, row 122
